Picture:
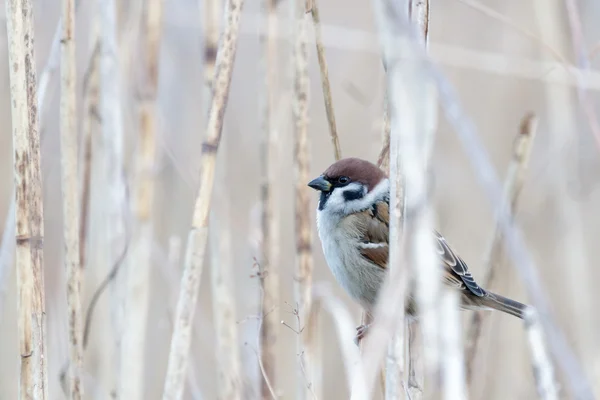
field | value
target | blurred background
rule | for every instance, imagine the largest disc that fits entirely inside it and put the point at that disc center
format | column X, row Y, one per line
column 514, row 58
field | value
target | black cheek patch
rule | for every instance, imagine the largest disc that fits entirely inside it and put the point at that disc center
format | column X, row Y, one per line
column 350, row 195
column 323, row 199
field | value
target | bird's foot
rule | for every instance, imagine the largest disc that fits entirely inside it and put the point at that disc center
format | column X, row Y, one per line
column 361, row 332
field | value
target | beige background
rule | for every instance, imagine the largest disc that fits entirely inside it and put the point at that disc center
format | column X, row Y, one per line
column 499, row 73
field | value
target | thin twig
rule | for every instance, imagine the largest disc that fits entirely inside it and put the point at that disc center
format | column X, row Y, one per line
column 543, row 371
column 113, row 132
column 410, row 110
column 324, row 299
column 70, row 194
column 197, row 238
column 33, row 381
column 138, row 270
column 453, row 366
column 513, row 184
column 304, row 261
column 7, row 246
column 269, row 273
column 227, row 351
column 335, row 140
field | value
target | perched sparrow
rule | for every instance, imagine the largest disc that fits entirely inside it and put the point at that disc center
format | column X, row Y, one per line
column 353, row 219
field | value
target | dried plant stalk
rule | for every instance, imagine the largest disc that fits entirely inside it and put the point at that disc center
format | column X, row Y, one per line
column 91, row 126
column 543, row 371
column 113, row 134
column 512, row 188
column 70, row 194
column 140, row 261
column 197, row 238
column 453, row 371
column 335, row 140
column 227, row 351
column 323, row 299
column 304, row 261
column 33, row 378
column 383, row 161
column 212, row 21
column 270, row 247
column 410, row 110
column 7, row 246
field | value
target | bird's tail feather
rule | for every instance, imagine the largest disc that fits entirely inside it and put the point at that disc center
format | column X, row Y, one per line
column 501, row 303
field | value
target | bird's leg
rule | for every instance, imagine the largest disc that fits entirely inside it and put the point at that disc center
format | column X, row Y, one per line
column 361, row 332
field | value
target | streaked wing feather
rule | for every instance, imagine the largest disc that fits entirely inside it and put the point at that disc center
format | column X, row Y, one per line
column 457, row 272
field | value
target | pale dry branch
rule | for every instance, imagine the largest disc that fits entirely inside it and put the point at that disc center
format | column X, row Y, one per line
column 410, row 111
column 91, row 128
column 383, row 160
column 335, row 139
column 303, row 237
column 324, row 299
column 543, row 370
column 70, row 195
column 7, row 246
column 113, row 179
column 29, row 216
column 227, row 351
column 198, row 235
column 269, row 272
column 453, row 366
column 139, row 262
column 513, row 184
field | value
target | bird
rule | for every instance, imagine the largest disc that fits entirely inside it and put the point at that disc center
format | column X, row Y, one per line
column 353, row 227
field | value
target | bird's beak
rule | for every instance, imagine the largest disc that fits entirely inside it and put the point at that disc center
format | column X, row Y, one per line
column 320, row 183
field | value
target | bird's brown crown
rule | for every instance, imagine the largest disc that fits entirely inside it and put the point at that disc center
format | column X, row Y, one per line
column 358, row 170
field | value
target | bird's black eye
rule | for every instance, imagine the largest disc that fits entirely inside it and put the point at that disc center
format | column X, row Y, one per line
column 343, row 180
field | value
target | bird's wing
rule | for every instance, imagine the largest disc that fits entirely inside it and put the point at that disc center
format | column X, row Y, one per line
column 373, row 229
column 457, row 273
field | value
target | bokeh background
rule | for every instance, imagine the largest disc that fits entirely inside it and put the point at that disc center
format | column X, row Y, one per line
column 503, row 63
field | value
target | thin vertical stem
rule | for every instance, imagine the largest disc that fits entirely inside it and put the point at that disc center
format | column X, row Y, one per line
column 140, row 259
column 269, row 221
column 327, row 98
column 304, row 261
column 227, row 351
column 198, row 235
column 33, row 377
column 70, row 194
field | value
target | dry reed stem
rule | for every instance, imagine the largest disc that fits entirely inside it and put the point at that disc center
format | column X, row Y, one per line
column 269, row 222
column 111, row 111
column 543, row 371
column 335, row 140
column 70, row 194
column 383, row 160
column 227, row 352
column 324, row 299
column 90, row 128
column 211, row 20
column 140, row 258
column 33, row 377
column 304, row 261
column 7, row 246
column 197, row 237
column 513, row 184
column 410, row 110
column 453, row 371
